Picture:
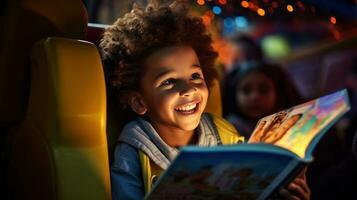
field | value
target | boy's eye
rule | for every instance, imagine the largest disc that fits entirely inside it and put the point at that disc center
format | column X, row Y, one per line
column 196, row 76
column 168, row 82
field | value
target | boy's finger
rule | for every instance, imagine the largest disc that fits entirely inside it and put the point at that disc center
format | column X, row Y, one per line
column 302, row 174
column 288, row 195
column 302, row 183
column 297, row 189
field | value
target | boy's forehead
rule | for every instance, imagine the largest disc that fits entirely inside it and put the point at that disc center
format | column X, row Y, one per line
column 170, row 59
column 169, row 52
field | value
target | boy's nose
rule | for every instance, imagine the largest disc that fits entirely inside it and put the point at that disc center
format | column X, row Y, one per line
column 187, row 89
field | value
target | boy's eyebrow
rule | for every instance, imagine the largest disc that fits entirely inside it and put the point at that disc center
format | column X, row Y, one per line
column 195, row 66
column 163, row 72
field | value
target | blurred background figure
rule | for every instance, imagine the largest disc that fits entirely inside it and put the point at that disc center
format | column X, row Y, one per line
column 243, row 49
column 338, row 181
column 254, row 90
column 333, row 173
column 350, row 120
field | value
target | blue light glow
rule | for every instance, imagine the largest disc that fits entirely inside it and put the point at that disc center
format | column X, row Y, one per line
column 228, row 22
column 241, row 22
column 216, row 10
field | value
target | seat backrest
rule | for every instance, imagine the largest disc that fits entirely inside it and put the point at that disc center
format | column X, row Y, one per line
column 60, row 150
column 24, row 23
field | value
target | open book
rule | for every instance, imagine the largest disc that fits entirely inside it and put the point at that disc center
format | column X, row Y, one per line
column 280, row 146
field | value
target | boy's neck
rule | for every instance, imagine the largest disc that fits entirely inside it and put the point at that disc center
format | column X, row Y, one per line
column 176, row 137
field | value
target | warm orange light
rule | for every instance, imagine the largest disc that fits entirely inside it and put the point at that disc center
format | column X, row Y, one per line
column 252, row 6
column 209, row 14
column 223, row 2
column 261, row 12
column 244, row 4
column 201, row 2
column 336, row 34
column 333, row 20
column 206, row 20
column 290, row 8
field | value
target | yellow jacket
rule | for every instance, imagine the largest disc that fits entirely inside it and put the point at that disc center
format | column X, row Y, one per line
column 150, row 170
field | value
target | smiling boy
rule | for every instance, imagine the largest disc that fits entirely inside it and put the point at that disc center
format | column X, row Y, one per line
column 174, row 94
column 161, row 64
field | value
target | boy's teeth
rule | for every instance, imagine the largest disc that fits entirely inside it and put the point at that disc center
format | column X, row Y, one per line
column 186, row 108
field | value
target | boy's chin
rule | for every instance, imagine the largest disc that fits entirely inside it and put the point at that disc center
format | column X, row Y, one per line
column 190, row 126
column 189, row 122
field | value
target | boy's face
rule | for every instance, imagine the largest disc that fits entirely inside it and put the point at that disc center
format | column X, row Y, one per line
column 173, row 89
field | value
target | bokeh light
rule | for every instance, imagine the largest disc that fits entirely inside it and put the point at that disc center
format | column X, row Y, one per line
column 275, row 46
column 290, row 8
column 228, row 22
column 241, row 22
column 244, row 4
column 216, row 10
column 201, row 2
column 223, row 2
column 333, row 20
column 261, row 12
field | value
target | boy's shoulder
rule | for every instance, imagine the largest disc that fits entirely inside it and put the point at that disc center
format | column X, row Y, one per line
column 126, row 157
column 124, row 151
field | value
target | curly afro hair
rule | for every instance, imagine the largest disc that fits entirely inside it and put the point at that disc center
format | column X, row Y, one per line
column 130, row 40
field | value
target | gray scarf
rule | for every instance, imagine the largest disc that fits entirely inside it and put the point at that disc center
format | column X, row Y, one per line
column 141, row 134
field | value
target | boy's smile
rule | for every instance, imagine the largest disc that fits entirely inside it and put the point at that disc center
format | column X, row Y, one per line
column 188, row 108
column 173, row 92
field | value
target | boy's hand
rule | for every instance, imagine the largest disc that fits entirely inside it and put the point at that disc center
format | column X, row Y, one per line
column 297, row 189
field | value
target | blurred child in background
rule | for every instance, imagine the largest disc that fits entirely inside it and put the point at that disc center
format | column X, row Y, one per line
column 254, row 90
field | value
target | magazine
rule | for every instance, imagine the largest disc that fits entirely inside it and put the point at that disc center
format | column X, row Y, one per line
column 280, row 146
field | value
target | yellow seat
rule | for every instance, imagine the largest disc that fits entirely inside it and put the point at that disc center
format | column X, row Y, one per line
column 61, row 148
column 51, row 154
column 214, row 103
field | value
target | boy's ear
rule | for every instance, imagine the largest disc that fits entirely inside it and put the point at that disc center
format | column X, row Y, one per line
column 137, row 104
